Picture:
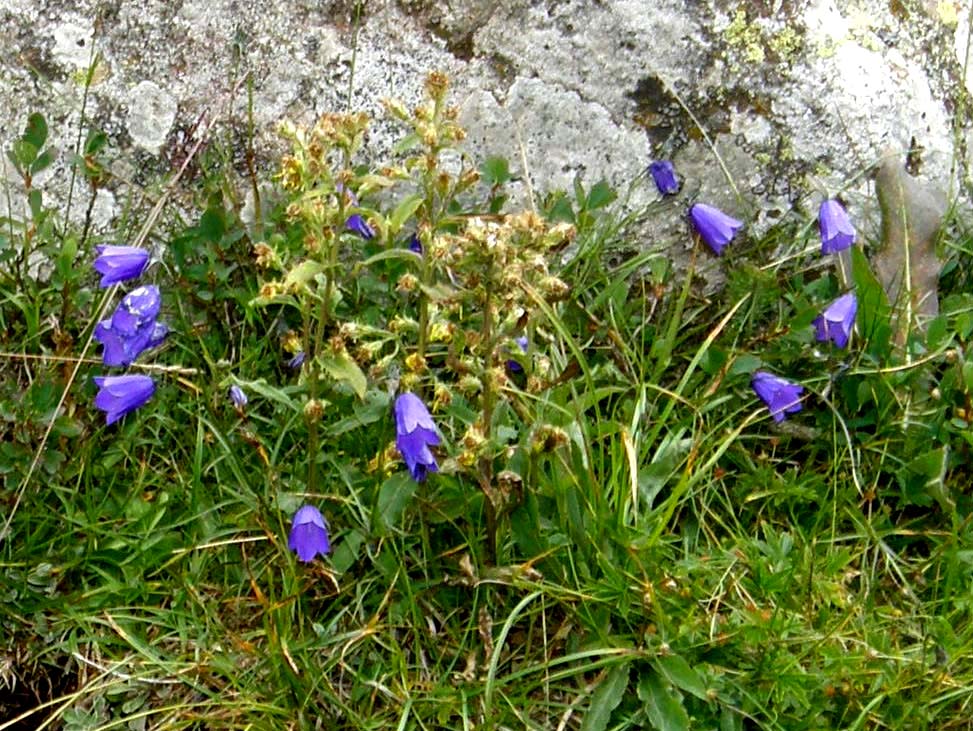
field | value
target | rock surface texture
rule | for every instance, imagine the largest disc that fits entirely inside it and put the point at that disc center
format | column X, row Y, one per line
column 797, row 97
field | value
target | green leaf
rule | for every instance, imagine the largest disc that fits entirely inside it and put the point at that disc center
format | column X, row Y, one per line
column 664, row 710
column 299, row 276
column 606, row 698
column 601, row 195
column 343, row 368
column 375, row 407
column 403, row 212
column 495, row 171
column 36, row 131
column 406, row 143
column 281, row 396
column 874, row 313
column 65, row 260
column 42, row 162
column 393, row 496
column 678, row 672
column 22, row 154
column 95, row 141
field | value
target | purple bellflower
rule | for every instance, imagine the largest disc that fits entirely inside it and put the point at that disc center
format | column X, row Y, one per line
column 512, row 365
column 414, row 433
column 118, row 263
column 118, row 395
column 781, row 396
column 132, row 328
column 309, row 534
column 713, row 226
column 238, row 396
column 415, row 245
column 664, row 175
column 360, row 226
column 297, row 361
column 837, row 233
column 836, row 322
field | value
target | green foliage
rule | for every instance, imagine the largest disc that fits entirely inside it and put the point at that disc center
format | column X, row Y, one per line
column 619, row 535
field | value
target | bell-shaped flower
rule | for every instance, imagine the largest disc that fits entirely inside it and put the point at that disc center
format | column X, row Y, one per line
column 836, row 322
column 415, row 432
column 837, row 233
column 415, row 245
column 360, row 226
column 296, row 361
column 119, row 263
column 119, row 395
column 512, row 365
column 713, row 226
column 238, row 396
column 781, row 396
column 309, row 534
column 132, row 328
column 664, row 175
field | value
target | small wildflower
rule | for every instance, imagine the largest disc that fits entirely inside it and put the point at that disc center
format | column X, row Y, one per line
column 836, row 322
column 118, row 263
column 664, row 175
column 415, row 245
column 415, row 432
column 713, row 226
column 238, row 396
column 781, row 396
column 837, row 233
column 359, row 225
column 119, row 395
column 513, row 365
column 309, row 534
column 132, row 328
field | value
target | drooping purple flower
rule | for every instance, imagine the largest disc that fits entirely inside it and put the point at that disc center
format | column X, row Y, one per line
column 415, row 432
column 664, row 175
column 837, row 233
column 360, row 226
column 415, row 245
column 297, row 361
column 309, row 534
column 238, row 396
column 119, row 395
column 118, row 263
column 836, row 322
column 132, row 328
column 137, row 308
column 512, row 365
column 781, row 396
column 713, row 226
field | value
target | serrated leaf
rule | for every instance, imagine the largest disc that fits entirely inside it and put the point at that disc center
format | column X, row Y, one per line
column 403, row 212
column 606, row 698
column 664, row 711
column 495, row 171
column 36, row 131
column 678, row 672
column 343, row 368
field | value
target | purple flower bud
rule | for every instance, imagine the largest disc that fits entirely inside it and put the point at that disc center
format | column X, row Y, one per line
column 415, row 432
column 512, row 365
column 837, row 233
column 297, row 361
column 664, row 175
column 836, row 322
column 118, row 263
column 350, row 197
column 713, row 226
column 360, row 226
column 309, row 534
column 415, row 245
column 118, row 395
column 781, row 396
column 238, row 397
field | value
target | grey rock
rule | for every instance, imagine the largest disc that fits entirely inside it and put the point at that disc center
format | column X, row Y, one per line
column 797, row 96
column 907, row 265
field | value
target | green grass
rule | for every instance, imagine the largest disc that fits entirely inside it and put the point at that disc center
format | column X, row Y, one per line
column 666, row 557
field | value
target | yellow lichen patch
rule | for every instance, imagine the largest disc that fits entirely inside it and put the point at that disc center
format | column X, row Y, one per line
column 746, row 38
column 948, row 13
